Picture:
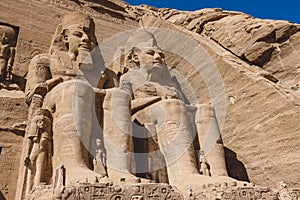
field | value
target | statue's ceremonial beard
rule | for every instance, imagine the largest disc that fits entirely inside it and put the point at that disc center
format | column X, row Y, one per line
column 84, row 59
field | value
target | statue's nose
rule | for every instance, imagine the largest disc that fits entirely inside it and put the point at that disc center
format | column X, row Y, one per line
column 85, row 38
column 157, row 57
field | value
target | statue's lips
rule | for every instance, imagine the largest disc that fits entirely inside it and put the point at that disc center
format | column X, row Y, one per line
column 84, row 47
column 157, row 63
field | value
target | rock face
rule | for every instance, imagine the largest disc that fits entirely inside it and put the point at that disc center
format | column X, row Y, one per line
column 256, row 102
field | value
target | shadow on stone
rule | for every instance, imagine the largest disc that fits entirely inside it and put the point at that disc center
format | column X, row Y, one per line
column 1, row 196
column 16, row 83
column 20, row 81
column 235, row 168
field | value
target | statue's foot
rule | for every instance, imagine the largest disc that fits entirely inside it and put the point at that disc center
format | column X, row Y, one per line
column 199, row 182
column 118, row 176
column 83, row 175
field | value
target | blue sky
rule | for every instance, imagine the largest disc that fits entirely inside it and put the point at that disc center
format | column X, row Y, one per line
column 265, row 9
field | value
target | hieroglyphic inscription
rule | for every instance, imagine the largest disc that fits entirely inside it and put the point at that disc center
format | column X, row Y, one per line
column 108, row 191
column 240, row 193
column 26, row 50
column 7, row 159
column 8, row 168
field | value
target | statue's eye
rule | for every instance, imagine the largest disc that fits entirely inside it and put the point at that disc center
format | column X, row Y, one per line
column 150, row 52
column 77, row 33
column 162, row 55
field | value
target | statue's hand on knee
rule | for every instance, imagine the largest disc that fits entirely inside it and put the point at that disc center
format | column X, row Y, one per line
column 41, row 89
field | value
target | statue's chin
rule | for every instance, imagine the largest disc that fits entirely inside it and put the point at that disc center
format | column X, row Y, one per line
column 153, row 67
column 84, row 59
column 157, row 68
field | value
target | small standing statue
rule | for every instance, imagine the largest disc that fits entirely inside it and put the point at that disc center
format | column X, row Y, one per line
column 99, row 160
column 189, row 195
column 284, row 193
column 204, row 166
column 60, row 192
column 7, row 52
column 38, row 137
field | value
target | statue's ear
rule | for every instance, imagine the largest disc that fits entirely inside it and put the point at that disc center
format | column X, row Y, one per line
column 65, row 37
column 132, row 59
column 135, row 58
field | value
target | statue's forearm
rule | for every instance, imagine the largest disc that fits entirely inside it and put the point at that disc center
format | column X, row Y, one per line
column 141, row 103
column 42, row 88
column 51, row 83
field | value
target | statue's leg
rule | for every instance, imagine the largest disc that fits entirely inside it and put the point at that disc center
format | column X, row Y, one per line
column 116, row 134
column 210, row 140
column 29, row 183
column 175, row 138
column 72, row 120
column 31, row 170
column 3, row 66
column 39, row 168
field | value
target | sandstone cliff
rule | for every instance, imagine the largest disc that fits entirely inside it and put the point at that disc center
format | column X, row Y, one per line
column 257, row 61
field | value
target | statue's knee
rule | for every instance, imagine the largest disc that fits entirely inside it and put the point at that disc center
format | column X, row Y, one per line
column 205, row 111
column 116, row 97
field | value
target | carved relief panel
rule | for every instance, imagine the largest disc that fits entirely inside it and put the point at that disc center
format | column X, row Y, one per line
column 8, row 41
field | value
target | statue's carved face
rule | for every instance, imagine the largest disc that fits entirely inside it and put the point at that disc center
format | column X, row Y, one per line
column 79, row 38
column 152, row 64
column 4, row 38
column 41, row 123
column 7, row 34
column 150, row 57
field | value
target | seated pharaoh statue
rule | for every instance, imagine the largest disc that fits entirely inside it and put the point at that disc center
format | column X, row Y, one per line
column 158, row 105
column 66, row 83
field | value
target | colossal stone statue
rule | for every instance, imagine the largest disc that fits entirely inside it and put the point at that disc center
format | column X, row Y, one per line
column 7, row 51
column 158, row 105
column 75, row 58
column 63, row 82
